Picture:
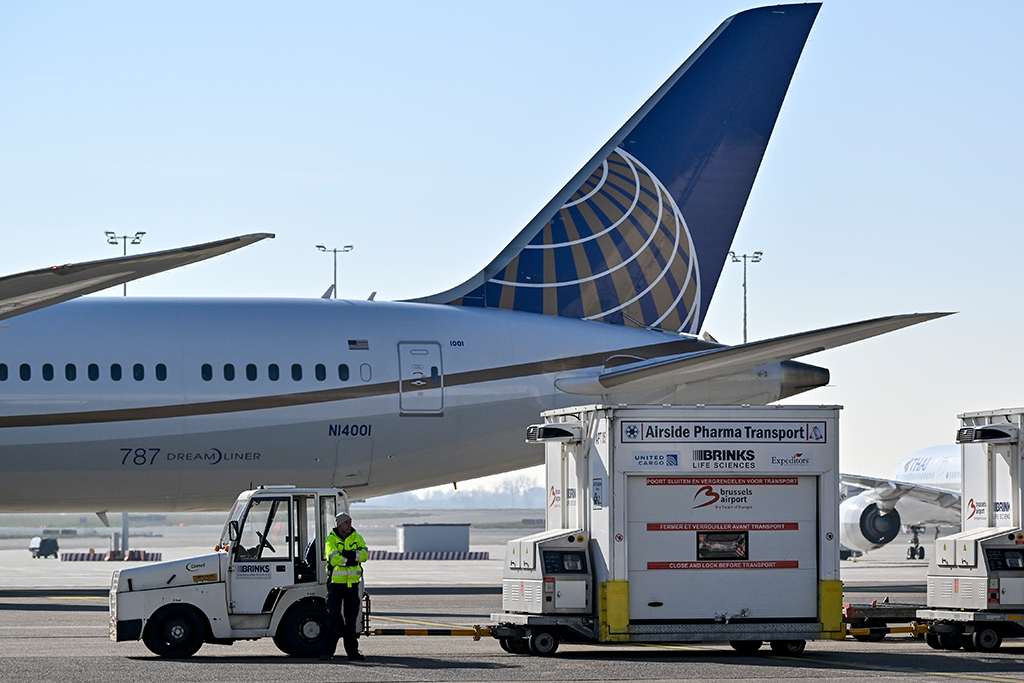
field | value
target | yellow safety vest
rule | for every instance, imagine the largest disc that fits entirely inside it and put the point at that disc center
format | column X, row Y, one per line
column 339, row 571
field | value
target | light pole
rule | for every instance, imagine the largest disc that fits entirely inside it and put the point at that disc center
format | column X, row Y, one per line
column 112, row 238
column 754, row 258
column 343, row 250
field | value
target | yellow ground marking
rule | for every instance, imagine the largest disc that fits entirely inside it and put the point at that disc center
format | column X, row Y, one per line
column 674, row 647
column 78, row 597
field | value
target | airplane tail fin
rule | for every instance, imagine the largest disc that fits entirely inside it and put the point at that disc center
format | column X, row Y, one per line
column 640, row 235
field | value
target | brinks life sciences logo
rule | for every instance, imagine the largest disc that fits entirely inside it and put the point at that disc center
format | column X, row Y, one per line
column 252, row 571
column 723, row 459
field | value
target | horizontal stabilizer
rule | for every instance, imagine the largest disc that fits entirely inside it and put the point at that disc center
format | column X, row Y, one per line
column 728, row 360
column 889, row 491
column 35, row 289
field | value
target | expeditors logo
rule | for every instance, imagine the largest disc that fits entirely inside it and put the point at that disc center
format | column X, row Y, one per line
column 797, row 460
column 727, row 459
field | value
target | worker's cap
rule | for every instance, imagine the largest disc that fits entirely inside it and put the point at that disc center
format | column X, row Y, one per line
column 342, row 517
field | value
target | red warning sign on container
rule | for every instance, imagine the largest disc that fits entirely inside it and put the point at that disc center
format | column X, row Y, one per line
column 723, row 526
column 736, row 564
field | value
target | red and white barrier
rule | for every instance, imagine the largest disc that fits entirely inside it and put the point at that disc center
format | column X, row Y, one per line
column 83, row 557
column 133, row 556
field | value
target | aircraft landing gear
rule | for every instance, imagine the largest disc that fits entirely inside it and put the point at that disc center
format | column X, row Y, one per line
column 916, row 550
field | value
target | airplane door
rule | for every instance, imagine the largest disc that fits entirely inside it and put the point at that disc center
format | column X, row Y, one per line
column 421, row 386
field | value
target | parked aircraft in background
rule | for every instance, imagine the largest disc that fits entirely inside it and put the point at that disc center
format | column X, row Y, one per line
column 177, row 404
column 924, row 491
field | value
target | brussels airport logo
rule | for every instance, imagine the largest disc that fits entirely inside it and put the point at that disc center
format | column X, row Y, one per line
column 723, row 498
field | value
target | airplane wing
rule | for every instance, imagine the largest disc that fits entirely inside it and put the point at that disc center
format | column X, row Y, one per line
column 37, row 289
column 889, row 491
column 727, row 360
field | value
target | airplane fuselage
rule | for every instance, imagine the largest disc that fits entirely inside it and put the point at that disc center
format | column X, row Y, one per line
column 114, row 404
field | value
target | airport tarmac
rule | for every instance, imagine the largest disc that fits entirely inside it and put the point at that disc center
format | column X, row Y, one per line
column 53, row 625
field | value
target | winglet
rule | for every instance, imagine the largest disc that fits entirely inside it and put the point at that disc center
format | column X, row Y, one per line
column 35, row 289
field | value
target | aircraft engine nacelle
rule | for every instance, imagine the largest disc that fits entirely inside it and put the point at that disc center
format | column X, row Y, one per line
column 864, row 526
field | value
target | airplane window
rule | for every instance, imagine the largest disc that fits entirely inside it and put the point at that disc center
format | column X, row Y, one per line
column 161, row 372
column 273, row 372
column 47, row 372
column 70, row 372
column 3, row 372
column 250, row 372
column 94, row 372
column 321, row 372
column 434, row 378
column 296, row 372
column 138, row 372
column 207, row 371
column 115, row 372
column 25, row 371
column 229, row 372
column 343, row 372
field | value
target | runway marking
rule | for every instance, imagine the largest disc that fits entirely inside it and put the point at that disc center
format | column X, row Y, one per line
column 900, row 669
column 421, row 623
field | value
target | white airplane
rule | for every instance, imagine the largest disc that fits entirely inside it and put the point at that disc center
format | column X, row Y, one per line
column 177, row 404
column 924, row 491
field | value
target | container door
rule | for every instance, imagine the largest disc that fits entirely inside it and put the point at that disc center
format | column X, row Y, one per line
column 703, row 547
column 421, row 389
column 261, row 558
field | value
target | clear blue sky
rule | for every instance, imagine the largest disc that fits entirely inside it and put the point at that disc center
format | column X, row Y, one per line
column 428, row 134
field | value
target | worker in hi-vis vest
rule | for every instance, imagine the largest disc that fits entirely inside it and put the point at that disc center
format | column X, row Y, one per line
column 346, row 551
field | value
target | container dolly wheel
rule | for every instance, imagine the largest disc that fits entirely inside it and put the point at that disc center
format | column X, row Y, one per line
column 932, row 639
column 788, row 647
column 543, row 643
column 514, row 645
column 986, row 640
column 950, row 641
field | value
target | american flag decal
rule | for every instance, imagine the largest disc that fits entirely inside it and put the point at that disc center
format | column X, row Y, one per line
column 358, row 345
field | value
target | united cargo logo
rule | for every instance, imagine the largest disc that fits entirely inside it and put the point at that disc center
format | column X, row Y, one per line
column 725, row 459
column 797, row 460
column 645, row 460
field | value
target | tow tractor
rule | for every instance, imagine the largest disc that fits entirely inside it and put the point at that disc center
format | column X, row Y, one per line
column 267, row 577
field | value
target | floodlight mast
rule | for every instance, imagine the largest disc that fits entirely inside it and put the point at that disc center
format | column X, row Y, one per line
column 112, row 238
column 753, row 258
column 345, row 249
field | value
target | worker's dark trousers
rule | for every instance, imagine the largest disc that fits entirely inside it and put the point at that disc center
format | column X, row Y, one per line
column 342, row 611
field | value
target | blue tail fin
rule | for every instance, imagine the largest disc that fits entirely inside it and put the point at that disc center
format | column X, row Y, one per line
column 640, row 235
